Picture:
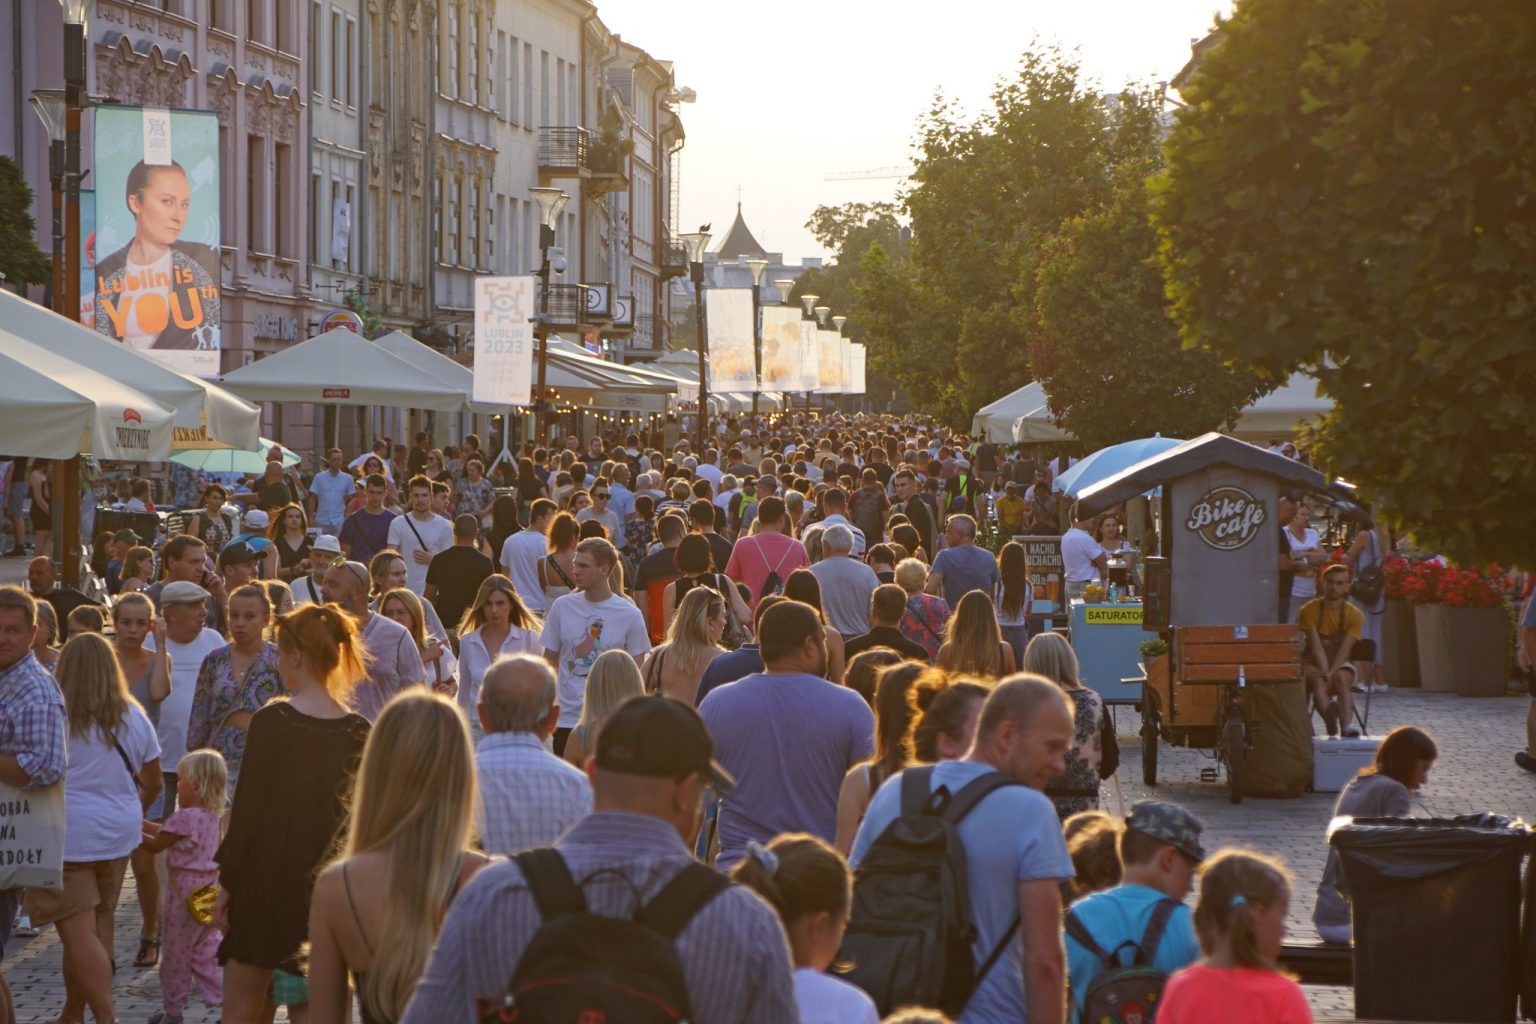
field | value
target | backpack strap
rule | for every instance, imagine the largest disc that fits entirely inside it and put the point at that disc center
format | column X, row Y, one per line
column 1080, row 933
column 972, row 793
column 690, row 890
column 1161, row 914
column 550, row 881
column 916, row 789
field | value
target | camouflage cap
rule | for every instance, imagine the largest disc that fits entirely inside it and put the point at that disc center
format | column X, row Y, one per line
column 1168, row 823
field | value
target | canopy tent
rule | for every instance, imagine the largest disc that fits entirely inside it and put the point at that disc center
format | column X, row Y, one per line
column 205, row 414
column 996, row 422
column 56, row 408
column 1211, row 449
column 342, row 368
column 1278, row 413
column 439, row 367
column 1106, row 462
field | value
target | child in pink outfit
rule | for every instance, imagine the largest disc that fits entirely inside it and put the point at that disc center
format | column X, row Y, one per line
column 190, row 836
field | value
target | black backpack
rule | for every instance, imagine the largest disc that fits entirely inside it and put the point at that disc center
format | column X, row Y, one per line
column 910, row 932
column 582, row 966
column 1124, row 993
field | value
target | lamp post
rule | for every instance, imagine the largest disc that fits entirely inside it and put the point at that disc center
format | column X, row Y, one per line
column 551, row 201
column 757, row 265
column 66, row 483
column 697, row 242
column 48, row 105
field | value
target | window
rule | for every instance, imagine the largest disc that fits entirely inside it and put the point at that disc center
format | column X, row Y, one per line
column 282, row 203
column 560, row 117
column 490, row 233
column 472, row 93
column 514, row 84
column 528, row 85
column 513, row 256
column 529, row 240
column 543, row 87
column 256, row 194
column 575, row 95
column 442, row 220
column 283, row 16
column 316, row 18
column 335, row 50
column 350, row 67
column 453, row 50
column 256, row 20
column 451, row 249
column 472, row 228
column 348, row 262
column 315, row 235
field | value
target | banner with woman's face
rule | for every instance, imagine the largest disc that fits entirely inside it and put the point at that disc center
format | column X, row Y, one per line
column 157, row 233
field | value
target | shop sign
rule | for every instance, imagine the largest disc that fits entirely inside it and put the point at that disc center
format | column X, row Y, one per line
column 1130, row 615
column 1227, row 518
column 342, row 318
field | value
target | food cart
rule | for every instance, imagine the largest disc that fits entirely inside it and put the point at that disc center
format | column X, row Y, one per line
column 1230, row 683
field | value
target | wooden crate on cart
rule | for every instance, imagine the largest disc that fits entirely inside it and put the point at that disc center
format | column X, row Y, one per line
column 1213, row 654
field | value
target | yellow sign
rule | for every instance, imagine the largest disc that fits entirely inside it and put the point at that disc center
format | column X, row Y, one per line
column 1112, row 615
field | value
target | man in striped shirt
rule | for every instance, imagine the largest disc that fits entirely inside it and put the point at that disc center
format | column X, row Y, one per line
column 528, row 796
column 654, row 759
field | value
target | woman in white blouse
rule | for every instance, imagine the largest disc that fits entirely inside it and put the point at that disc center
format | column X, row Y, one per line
column 497, row 623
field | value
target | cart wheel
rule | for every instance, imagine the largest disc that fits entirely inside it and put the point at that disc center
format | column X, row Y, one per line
column 1234, row 750
column 1148, row 745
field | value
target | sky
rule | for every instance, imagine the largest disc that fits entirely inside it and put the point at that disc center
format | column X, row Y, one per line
column 794, row 91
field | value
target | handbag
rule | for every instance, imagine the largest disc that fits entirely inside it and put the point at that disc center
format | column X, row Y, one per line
column 735, row 633
column 1367, row 585
column 200, row 903
column 32, row 837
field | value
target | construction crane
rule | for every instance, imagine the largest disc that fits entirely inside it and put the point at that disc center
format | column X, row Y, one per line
column 870, row 175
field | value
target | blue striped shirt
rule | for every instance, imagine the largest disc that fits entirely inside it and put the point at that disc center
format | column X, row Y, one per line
column 734, row 954
column 528, row 796
column 32, row 724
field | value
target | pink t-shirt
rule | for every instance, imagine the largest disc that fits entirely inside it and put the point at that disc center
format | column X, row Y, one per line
column 1218, row 995
column 195, row 852
column 754, row 557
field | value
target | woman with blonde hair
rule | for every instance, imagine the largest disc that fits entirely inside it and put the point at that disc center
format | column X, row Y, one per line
column 403, row 606
column 496, row 623
column 46, row 637
column 279, row 831
column 138, row 570
column 406, row 854
column 973, row 643
column 113, row 776
column 674, row 668
column 386, row 572
column 1076, row 789
column 927, row 615
column 614, row 679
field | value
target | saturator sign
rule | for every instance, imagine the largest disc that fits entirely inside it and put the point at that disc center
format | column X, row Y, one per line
column 1130, row 615
column 504, row 340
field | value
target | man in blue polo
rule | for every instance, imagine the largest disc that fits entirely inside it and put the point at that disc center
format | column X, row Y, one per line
column 1160, row 850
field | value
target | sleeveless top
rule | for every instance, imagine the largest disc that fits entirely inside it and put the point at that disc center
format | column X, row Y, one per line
column 359, row 978
column 552, row 571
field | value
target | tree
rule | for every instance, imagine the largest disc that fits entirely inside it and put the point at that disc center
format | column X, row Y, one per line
column 21, row 261
column 987, row 196
column 1107, row 350
column 1351, row 191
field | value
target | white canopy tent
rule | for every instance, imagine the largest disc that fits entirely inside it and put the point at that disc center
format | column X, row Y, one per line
column 342, row 368
column 207, row 416
column 995, row 421
column 56, row 408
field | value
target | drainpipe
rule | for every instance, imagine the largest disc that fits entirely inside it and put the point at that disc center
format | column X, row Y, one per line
column 18, row 96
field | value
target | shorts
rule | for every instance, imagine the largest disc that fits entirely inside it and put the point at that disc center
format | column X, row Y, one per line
column 1316, row 677
column 88, row 885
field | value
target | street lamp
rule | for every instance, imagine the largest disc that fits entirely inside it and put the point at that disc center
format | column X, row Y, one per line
column 785, row 285
column 838, row 322
column 697, row 242
column 48, row 104
column 757, row 265
column 66, row 481
column 551, row 201
column 807, row 301
column 821, row 314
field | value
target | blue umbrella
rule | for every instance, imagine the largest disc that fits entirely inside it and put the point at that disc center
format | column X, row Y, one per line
column 1106, row 462
column 228, row 460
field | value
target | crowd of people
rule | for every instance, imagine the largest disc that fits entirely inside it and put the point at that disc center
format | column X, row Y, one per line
column 395, row 733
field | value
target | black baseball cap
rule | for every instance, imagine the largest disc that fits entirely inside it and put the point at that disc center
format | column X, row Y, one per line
column 658, row 737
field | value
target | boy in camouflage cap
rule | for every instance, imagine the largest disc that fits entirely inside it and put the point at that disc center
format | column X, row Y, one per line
column 1159, row 849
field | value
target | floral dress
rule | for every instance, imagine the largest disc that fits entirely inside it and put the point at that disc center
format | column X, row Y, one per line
column 469, row 498
column 1077, row 789
column 924, row 622
column 219, row 695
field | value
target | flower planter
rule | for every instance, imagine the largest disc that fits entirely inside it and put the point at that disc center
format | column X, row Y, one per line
column 1400, row 646
column 1462, row 650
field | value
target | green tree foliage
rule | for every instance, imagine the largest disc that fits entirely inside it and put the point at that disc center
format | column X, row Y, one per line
column 987, row 196
column 21, row 261
column 1107, row 351
column 1352, row 190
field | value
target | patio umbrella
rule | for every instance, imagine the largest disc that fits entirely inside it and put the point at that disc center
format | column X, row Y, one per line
column 342, row 368
column 1106, row 462
column 230, row 460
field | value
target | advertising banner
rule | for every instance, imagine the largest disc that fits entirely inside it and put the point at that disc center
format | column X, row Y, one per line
column 860, row 365
column 781, row 348
column 830, row 349
column 728, row 317
column 504, row 340
column 88, row 257
column 845, row 378
column 810, row 357
column 157, row 233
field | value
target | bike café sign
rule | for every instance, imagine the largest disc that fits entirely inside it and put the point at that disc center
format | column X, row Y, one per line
column 1227, row 518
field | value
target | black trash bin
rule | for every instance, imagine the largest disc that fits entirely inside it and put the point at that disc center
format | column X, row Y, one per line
column 1435, row 904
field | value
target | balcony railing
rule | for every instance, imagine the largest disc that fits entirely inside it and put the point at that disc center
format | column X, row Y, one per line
column 672, row 256
column 573, row 305
column 565, row 149
column 650, row 334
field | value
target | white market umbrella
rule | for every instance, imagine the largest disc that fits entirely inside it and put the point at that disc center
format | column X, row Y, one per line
column 1279, row 413
column 55, row 408
column 342, row 368
column 232, row 460
column 201, row 408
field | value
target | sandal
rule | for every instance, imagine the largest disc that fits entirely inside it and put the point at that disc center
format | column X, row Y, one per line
column 148, row 954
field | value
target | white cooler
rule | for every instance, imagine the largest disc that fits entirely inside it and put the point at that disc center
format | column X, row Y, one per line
column 1336, row 761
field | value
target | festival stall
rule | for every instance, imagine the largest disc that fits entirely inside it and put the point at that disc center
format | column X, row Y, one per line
column 1231, row 681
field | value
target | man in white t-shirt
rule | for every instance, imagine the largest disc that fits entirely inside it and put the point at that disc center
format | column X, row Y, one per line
column 420, row 534
column 184, row 607
column 580, row 626
column 708, row 470
column 521, row 553
column 1082, row 559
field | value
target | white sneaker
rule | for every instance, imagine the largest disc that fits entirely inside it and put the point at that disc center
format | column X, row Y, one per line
column 1359, row 688
column 1380, row 688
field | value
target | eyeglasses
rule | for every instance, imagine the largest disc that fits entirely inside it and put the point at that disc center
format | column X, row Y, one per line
column 601, row 497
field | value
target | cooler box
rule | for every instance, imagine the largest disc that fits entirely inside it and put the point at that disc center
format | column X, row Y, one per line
column 1336, row 761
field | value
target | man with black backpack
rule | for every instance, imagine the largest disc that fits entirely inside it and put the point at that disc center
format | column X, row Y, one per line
column 616, row 922
column 957, row 901
column 1124, row 942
